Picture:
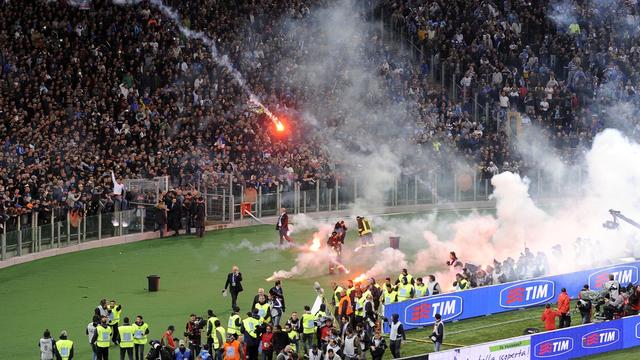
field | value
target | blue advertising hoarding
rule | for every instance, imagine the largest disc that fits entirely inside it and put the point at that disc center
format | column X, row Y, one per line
column 585, row 340
column 494, row 299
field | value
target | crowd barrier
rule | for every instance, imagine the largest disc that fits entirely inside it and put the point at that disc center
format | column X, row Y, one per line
column 500, row 298
column 569, row 343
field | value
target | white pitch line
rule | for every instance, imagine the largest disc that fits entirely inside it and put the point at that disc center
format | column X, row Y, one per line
column 490, row 325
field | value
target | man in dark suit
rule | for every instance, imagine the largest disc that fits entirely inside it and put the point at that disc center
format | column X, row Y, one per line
column 283, row 226
column 234, row 283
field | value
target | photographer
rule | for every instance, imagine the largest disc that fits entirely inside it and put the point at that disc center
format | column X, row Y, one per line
column 192, row 332
column 612, row 287
column 584, row 305
column 613, row 305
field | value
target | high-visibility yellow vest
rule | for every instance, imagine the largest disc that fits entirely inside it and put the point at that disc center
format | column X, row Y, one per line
column 114, row 316
column 390, row 296
column 232, row 328
column 293, row 336
column 366, row 294
column 360, row 306
column 404, row 292
column 250, row 325
column 214, row 335
column 308, row 324
column 409, row 278
column 366, row 227
column 126, row 336
column 421, row 290
column 104, row 336
column 337, row 293
column 264, row 312
column 211, row 324
column 64, row 348
column 349, row 290
column 140, row 333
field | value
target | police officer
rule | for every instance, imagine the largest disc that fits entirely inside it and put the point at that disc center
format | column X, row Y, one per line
column 102, row 338
column 125, row 339
column 141, row 331
column 64, row 347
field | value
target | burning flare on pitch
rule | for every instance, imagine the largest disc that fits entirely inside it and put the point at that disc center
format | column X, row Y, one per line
column 279, row 125
column 315, row 244
column 360, row 278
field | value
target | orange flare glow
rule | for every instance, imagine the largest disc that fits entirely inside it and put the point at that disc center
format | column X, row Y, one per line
column 279, row 125
column 360, row 278
column 315, row 245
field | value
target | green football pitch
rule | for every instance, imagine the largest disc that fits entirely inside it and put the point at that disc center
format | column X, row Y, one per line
column 61, row 292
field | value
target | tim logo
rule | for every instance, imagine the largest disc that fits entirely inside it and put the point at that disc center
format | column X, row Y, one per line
column 423, row 312
column 554, row 347
column 623, row 274
column 527, row 293
column 600, row 338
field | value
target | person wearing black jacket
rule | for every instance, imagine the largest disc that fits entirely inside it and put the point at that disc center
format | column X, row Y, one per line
column 437, row 336
column 280, row 339
column 234, row 283
column 378, row 346
column 396, row 335
column 199, row 217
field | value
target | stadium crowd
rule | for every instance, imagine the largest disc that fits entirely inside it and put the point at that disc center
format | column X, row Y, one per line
column 108, row 88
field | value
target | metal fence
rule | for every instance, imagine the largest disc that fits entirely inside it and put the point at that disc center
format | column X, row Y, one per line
column 228, row 205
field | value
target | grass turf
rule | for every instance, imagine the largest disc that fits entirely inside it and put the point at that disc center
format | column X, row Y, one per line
column 61, row 292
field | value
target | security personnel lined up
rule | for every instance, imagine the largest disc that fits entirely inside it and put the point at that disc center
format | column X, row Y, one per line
column 421, row 290
column 125, row 339
column 140, row 334
column 405, row 290
column 234, row 325
column 64, row 347
column 114, row 318
column 102, row 339
column 405, row 274
column 461, row 283
column 219, row 336
column 211, row 325
column 389, row 295
column 252, row 329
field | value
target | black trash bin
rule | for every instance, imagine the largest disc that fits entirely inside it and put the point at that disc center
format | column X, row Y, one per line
column 154, row 282
column 394, row 242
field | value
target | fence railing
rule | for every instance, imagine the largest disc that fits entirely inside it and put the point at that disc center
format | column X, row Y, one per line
column 39, row 235
column 233, row 203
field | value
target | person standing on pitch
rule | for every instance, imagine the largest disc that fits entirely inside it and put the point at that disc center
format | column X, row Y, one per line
column 283, row 226
column 234, row 283
column 47, row 346
column 102, row 338
column 200, row 216
column 365, row 232
column 125, row 339
column 64, row 347
column 396, row 336
column 114, row 318
column 140, row 337
column 564, row 308
column 91, row 330
column 437, row 336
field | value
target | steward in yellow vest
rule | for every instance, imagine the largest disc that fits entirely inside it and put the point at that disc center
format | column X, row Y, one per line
column 405, row 290
column 211, row 326
column 125, row 338
column 234, row 325
column 64, row 347
column 140, row 334
column 102, row 338
column 114, row 318
column 421, row 289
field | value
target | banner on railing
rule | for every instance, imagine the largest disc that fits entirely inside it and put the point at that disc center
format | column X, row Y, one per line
column 493, row 299
column 517, row 348
column 585, row 340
